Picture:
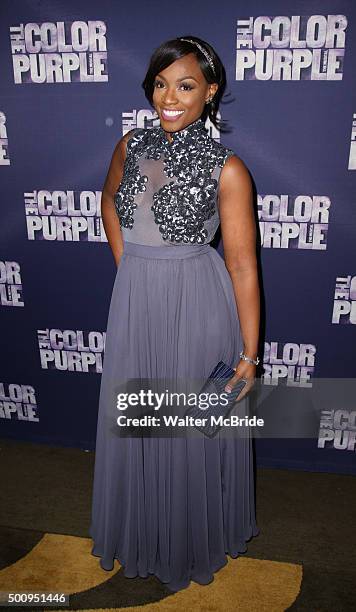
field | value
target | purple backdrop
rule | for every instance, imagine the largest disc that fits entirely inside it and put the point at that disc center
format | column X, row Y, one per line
column 71, row 76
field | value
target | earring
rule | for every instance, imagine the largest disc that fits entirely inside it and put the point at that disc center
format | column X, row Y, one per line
column 208, row 101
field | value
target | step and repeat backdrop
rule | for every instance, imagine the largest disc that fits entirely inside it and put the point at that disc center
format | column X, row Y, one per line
column 71, row 75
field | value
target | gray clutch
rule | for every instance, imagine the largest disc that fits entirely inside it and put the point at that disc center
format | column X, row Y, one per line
column 215, row 384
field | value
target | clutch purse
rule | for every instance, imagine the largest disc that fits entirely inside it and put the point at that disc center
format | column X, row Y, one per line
column 215, row 384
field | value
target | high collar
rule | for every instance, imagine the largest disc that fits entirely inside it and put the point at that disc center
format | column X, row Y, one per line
column 193, row 130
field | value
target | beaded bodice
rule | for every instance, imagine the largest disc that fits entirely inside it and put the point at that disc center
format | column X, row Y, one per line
column 168, row 194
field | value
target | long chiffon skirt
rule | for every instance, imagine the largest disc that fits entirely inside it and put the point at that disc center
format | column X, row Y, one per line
column 173, row 507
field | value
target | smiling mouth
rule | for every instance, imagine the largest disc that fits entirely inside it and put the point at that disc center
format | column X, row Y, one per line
column 171, row 114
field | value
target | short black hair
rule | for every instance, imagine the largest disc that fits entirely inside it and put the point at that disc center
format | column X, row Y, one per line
column 173, row 49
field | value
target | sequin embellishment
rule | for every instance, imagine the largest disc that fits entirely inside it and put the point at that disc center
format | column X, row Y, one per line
column 131, row 184
column 182, row 206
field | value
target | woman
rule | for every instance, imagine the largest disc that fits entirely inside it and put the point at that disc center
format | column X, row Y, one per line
column 174, row 506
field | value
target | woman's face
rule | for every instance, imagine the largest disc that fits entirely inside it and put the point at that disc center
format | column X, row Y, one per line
column 181, row 89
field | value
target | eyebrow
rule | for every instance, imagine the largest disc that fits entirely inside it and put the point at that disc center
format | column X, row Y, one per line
column 182, row 79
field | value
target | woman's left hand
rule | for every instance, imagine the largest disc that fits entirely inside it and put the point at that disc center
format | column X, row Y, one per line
column 244, row 370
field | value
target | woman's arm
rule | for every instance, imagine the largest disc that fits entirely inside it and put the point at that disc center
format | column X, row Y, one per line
column 238, row 231
column 109, row 215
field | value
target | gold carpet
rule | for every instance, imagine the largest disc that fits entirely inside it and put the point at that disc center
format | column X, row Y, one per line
column 63, row 563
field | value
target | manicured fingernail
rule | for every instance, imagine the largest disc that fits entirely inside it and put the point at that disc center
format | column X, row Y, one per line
column 228, row 389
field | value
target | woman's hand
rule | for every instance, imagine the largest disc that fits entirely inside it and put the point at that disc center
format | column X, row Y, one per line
column 244, row 370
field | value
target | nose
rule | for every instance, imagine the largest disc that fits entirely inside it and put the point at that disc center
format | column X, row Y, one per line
column 170, row 96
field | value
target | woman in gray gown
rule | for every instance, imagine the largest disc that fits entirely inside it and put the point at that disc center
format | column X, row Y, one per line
column 175, row 506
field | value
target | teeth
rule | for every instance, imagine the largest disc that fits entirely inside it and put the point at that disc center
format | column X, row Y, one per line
column 172, row 113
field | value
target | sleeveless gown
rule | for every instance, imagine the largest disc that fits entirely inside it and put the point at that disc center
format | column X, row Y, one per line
column 173, row 507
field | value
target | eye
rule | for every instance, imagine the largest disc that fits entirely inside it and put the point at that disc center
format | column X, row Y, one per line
column 158, row 84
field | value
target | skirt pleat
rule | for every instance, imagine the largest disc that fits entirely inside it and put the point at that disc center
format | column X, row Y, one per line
column 171, row 507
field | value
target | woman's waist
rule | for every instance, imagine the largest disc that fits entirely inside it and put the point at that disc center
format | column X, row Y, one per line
column 180, row 251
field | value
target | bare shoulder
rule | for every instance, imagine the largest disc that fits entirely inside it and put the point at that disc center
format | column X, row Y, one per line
column 120, row 150
column 121, row 146
column 234, row 173
column 117, row 164
column 126, row 137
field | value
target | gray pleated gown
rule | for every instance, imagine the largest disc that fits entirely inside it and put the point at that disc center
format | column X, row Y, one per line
column 171, row 507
